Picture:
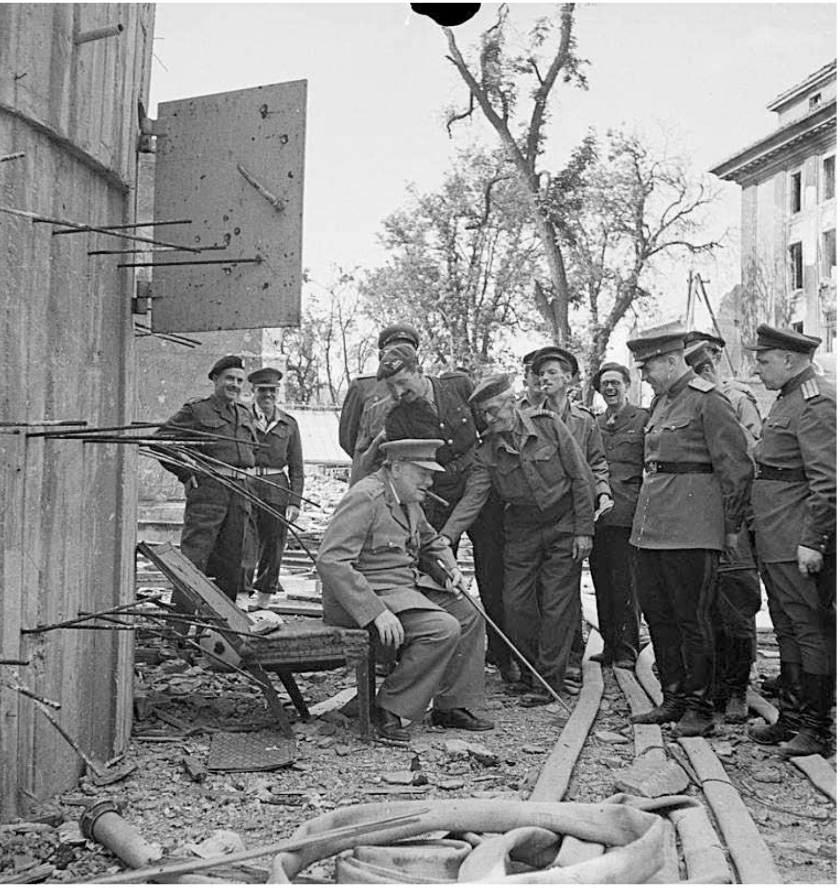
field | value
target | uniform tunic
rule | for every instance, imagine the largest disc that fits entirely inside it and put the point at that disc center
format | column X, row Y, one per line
column 217, row 522
column 280, row 484
column 358, row 392
column 377, row 555
column 539, row 473
column 612, row 558
column 794, row 502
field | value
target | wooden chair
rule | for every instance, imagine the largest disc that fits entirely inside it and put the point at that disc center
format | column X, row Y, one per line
column 307, row 645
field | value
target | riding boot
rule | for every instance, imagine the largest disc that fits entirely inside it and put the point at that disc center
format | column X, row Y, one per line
column 670, row 709
column 738, row 679
column 814, row 735
column 788, row 721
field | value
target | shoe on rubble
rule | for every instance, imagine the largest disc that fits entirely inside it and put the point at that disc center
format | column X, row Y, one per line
column 462, row 719
column 771, row 735
column 805, row 742
column 669, row 710
column 260, row 601
column 388, row 725
column 694, row 724
column 736, row 712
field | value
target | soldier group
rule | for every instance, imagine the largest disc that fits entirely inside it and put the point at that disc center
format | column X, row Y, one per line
column 678, row 508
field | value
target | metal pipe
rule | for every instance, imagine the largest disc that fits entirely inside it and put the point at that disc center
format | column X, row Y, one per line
column 45, row 422
column 155, row 222
column 257, row 260
column 82, row 617
column 98, row 33
column 514, row 649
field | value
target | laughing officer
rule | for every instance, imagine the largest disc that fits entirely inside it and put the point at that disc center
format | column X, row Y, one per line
column 378, row 562
column 795, row 500
column 279, row 479
column 691, row 506
column 217, row 520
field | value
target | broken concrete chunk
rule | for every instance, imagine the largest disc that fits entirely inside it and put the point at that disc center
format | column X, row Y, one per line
column 611, row 737
column 406, row 778
column 649, row 777
column 464, row 749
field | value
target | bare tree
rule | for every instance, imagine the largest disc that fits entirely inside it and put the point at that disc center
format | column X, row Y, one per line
column 637, row 207
column 495, row 84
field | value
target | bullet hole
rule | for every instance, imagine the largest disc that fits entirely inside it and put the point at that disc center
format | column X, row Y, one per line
column 265, row 285
column 237, row 231
column 290, row 175
column 227, row 238
column 202, row 176
column 263, row 111
column 225, row 218
column 197, row 238
column 228, row 271
column 284, row 139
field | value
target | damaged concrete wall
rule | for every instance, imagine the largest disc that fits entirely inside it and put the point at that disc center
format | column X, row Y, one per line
column 67, row 522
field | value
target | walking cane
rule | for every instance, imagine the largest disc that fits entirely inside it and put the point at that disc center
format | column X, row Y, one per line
column 519, row 656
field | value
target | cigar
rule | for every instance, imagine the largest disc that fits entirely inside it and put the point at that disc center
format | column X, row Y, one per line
column 438, row 499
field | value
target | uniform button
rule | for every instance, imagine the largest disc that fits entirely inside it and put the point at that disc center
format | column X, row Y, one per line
column 464, row 419
column 450, row 441
column 442, row 425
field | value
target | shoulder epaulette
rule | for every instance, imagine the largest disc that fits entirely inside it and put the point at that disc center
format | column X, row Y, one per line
column 810, row 388
column 533, row 412
column 583, row 408
column 702, row 385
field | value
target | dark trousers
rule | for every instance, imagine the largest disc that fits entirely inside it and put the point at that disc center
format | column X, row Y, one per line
column 217, row 524
column 272, row 534
column 677, row 590
column 611, row 563
column 804, row 619
column 542, row 595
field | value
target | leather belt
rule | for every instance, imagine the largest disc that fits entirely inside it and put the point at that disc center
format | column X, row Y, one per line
column 763, row 472
column 260, row 471
column 655, row 467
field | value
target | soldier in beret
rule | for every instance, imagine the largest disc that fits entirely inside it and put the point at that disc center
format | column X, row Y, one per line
column 691, row 506
column 531, row 461
column 279, row 480
column 217, row 521
column 794, row 500
column 739, row 592
column 384, row 566
column 533, row 395
column 365, row 389
column 612, row 560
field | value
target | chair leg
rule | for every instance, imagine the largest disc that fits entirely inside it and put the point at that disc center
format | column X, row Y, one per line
column 290, row 685
column 365, row 690
column 274, row 703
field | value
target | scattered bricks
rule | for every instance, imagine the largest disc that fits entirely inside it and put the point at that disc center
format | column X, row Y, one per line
column 610, row 737
column 649, row 777
column 406, row 778
column 194, row 768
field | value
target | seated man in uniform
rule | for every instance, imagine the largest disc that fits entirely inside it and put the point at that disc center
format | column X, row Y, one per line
column 383, row 565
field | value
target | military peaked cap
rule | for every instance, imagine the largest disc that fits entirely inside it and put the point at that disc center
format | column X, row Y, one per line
column 266, row 376
column 610, row 366
column 554, row 353
column 699, row 335
column 646, row 347
column 399, row 333
column 490, row 387
column 698, row 353
column 779, row 337
column 226, row 363
column 419, row 451
column 396, row 358
column 528, row 359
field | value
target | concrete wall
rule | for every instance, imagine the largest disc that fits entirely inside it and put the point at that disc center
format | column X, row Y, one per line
column 67, row 523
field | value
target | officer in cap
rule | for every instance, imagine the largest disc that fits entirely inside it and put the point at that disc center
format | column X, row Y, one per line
column 612, row 561
column 794, row 501
column 532, row 463
column 279, row 480
column 364, row 389
column 739, row 591
column 370, row 562
column 217, row 519
column 691, row 505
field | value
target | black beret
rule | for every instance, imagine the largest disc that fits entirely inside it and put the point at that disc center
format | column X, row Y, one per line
column 699, row 336
column 226, row 363
column 646, row 347
column 610, row 366
column 399, row 333
column 396, row 358
column 265, row 376
column 490, row 387
column 780, row 337
column 554, row 353
column 528, row 359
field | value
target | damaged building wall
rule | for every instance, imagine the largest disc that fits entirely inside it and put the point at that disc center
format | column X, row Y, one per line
column 72, row 76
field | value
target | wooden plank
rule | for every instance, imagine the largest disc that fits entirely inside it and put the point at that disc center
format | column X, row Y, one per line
column 819, row 772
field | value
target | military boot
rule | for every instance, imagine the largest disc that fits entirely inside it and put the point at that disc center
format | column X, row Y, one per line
column 737, row 680
column 670, row 709
column 695, row 723
column 788, row 722
column 814, row 734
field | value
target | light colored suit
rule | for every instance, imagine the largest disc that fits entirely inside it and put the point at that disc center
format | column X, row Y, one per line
column 377, row 555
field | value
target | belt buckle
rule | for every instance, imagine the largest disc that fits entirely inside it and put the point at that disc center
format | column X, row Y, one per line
column 652, row 467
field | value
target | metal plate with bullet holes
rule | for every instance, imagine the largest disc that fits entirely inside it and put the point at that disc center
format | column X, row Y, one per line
column 253, row 751
column 232, row 163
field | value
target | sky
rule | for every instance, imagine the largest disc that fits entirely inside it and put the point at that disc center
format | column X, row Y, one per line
column 379, row 81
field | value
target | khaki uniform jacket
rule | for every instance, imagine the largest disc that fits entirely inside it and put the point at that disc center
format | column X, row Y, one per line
column 547, row 471
column 743, row 400
column 692, row 423
column 624, row 444
column 358, row 393
column 372, row 555
column 281, row 450
column 800, row 432
column 218, row 417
